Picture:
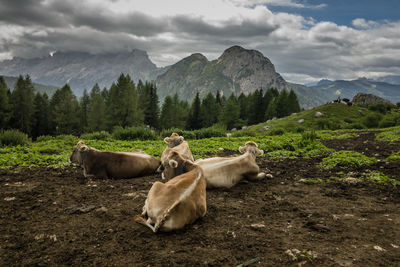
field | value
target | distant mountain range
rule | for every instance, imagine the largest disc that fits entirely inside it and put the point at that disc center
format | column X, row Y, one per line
column 237, row 70
column 48, row 89
column 83, row 70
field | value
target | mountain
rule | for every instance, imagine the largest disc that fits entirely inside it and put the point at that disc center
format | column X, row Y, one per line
column 82, row 70
column 48, row 89
column 348, row 89
column 237, row 70
column 392, row 79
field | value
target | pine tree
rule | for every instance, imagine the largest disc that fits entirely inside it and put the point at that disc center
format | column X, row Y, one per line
column 182, row 112
column 97, row 111
column 282, row 108
column 230, row 115
column 152, row 110
column 65, row 111
column 243, row 103
column 22, row 99
column 193, row 121
column 293, row 103
column 210, row 111
column 4, row 105
column 256, row 107
column 41, row 123
column 84, row 110
column 168, row 114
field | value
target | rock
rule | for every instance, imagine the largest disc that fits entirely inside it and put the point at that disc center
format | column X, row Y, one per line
column 244, row 127
column 9, row 198
column 274, row 118
column 257, row 225
column 228, row 135
column 80, row 209
column 318, row 114
column 300, row 121
column 233, row 130
column 102, row 209
column 378, row 248
column 221, row 149
column 269, row 176
column 351, row 180
column 369, row 99
column 265, row 128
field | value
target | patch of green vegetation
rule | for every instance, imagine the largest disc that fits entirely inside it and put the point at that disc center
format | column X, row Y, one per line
column 102, row 135
column 395, row 157
column 392, row 134
column 380, row 178
column 337, row 135
column 335, row 117
column 13, row 138
column 346, row 158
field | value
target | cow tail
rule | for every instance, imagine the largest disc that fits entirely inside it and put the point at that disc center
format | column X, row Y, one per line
column 182, row 197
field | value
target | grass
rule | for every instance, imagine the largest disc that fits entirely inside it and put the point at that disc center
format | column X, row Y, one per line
column 336, row 117
column 345, row 158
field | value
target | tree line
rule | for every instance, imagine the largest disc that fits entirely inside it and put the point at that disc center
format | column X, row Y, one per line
column 127, row 104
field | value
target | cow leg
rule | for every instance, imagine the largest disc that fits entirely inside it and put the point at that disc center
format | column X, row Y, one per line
column 256, row 177
column 144, row 211
column 141, row 220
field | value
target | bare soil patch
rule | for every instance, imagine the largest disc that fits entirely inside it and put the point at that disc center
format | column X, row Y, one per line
column 281, row 221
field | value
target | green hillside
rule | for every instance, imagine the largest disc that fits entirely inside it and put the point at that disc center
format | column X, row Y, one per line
column 335, row 116
column 48, row 89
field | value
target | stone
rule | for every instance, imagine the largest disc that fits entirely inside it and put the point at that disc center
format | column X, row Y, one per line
column 301, row 121
column 318, row 114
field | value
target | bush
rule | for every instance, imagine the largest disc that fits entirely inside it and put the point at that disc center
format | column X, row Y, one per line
column 380, row 107
column 388, row 122
column 13, row 138
column 103, row 135
column 307, row 138
column 186, row 134
column 276, row 132
column 133, row 133
column 210, row 132
column 355, row 125
column 348, row 120
column 44, row 138
column 244, row 132
column 300, row 130
column 372, row 120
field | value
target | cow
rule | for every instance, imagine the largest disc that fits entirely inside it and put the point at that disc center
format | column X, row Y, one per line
column 105, row 164
column 175, row 143
column 228, row 171
column 180, row 201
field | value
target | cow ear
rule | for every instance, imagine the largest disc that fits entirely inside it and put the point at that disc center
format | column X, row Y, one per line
column 181, row 138
column 83, row 148
column 260, row 152
column 241, row 149
column 80, row 143
column 173, row 163
column 166, row 140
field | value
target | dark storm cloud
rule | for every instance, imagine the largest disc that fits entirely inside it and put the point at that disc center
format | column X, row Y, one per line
column 229, row 28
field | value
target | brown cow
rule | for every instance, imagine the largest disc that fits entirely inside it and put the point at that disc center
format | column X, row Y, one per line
column 228, row 171
column 178, row 202
column 177, row 144
column 104, row 164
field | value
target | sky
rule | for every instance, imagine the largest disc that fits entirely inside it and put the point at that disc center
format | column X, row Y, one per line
column 306, row 40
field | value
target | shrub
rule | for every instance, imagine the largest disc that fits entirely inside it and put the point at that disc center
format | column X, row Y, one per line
column 133, row 133
column 307, row 138
column 355, row 125
column 348, row 120
column 13, row 138
column 326, row 124
column 347, row 159
column 276, row 132
column 103, row 135
column 209, row 132
column 300, row 130
column 186, row 134
column 380, row 107
column 388, row 122
column 44, row 138
column 372, row 120
column 244, row 132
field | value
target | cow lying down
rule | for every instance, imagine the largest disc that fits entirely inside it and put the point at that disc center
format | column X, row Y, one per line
column 178, row 202
column 228, row 171
column 174, row 143
column 104, row 164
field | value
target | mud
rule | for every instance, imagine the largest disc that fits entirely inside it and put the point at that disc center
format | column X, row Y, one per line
column 281, row 221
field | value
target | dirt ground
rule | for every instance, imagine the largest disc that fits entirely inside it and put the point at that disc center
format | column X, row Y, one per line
column 281, row 221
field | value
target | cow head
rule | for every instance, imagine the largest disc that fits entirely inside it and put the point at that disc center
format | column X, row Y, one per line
column 173, row 140
column 77, row 153
column 251, row 147
column 174, row 165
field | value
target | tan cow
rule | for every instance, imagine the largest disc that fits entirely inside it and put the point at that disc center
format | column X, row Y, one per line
column 104, row 164
column 175, row 143
column 228, row 171
column 178, row 202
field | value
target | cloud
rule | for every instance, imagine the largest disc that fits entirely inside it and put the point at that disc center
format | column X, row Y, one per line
column 301, row 48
